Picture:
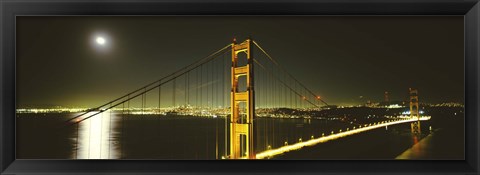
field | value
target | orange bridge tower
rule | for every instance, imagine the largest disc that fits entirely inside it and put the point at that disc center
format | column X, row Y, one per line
column 242, row 103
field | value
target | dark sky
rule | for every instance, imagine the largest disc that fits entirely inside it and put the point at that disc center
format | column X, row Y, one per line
column 340, row 58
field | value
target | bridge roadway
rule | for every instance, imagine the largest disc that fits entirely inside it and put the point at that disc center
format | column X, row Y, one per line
column 311, row 142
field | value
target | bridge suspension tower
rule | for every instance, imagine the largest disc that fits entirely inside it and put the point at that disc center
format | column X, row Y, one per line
column 241, row 125
column 414, row 111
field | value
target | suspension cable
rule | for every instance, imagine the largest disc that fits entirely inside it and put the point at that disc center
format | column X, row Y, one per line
column 273, row 75
column 276, row 63
column 180, row 73
column 158, row 81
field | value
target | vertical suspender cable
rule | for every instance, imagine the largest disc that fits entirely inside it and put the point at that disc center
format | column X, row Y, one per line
column 201, row 87
column 174, row 92
column 159, row 105
column 123, row 131
column 223, row 102
column 207, row 84
column 185, row 90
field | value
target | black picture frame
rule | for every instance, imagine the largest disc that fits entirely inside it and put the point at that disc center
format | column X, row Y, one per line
column 10, row 9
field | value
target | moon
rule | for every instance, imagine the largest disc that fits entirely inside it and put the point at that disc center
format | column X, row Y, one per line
column 100, row 40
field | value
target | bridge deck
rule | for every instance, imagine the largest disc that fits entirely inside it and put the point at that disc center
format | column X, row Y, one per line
column 299, row 145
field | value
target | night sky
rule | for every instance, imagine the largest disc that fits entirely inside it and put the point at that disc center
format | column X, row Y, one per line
column 340, row 58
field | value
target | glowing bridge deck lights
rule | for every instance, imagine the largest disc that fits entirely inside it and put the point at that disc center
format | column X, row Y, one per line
column 296, row 146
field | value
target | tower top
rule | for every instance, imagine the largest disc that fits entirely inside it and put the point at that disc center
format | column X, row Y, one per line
column 386, row 96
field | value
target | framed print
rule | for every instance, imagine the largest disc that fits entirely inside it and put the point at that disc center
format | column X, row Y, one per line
column 295, row 87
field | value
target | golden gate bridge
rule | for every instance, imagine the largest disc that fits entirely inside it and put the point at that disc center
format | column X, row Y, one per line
column 234, row 83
